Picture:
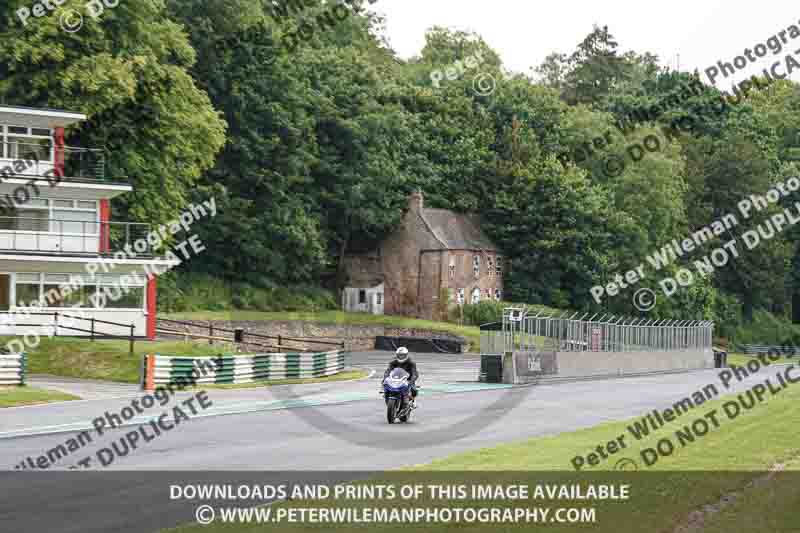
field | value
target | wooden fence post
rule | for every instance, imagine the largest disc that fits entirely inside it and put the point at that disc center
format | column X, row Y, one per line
column 131, row 348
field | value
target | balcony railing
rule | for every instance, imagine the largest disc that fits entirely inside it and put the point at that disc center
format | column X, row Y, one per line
column 39, row 158
column 30, row 234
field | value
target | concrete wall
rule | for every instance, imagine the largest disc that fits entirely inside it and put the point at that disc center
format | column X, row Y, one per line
column 571, row 364
column 587, row 364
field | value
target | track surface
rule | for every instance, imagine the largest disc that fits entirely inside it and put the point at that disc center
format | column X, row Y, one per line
column 342, row 425
column 325, row 427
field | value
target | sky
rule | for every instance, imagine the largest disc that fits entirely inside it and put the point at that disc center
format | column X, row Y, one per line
column 691, row 33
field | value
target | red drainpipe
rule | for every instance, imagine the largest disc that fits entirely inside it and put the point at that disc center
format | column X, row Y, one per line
column 58, row 161
column 105, row 216
column 151, row 308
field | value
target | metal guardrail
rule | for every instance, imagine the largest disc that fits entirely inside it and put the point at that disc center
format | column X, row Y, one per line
column 30, row 234
column 755, row 349
column 92, row 331
column 78, row 162
column 599, row 333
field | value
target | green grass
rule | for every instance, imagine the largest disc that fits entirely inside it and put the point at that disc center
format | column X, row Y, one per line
column 471, row 333
column 105, row 359
column 754, row 441
column 18, row 396
column 342, row 376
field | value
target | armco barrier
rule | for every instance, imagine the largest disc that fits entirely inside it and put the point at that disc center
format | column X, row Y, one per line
column 235, row 369
column 12, row 369
column 756, row 349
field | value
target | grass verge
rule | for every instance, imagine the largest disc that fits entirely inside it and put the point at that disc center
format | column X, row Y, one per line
column 19, row 396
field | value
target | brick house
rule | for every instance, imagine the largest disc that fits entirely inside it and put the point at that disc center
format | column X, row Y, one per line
column 436, row 259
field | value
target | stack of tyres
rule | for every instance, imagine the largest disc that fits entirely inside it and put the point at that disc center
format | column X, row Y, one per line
column 491, row 368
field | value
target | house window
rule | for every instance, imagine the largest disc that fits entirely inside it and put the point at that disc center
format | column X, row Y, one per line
column 362, row 296
column 490, row 265
column 460, row 297
column 476, row 265
column 499, row 266
column 379, row 298
column 452, row 267
column 498, row 295
column 476, row 295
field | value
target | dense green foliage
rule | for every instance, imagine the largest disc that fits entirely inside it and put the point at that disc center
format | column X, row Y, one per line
column 311, row 150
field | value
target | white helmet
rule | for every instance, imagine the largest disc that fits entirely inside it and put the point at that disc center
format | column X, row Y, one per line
column 401, row 354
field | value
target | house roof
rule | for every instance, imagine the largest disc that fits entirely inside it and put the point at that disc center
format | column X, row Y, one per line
column 457, row 231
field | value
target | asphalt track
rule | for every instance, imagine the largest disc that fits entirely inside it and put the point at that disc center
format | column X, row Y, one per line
column 340, row 426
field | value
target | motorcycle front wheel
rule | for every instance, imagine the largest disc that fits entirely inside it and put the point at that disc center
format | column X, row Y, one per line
column 391, row 410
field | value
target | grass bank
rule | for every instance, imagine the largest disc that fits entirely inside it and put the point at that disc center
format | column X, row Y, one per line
column 471, row 333
column 110, row 360
column 19, row 396
column 105, row 359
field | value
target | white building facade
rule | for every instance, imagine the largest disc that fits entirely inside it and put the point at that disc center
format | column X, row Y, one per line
column 57, row 240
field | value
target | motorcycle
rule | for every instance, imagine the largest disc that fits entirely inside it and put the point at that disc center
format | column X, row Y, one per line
column 397, row 395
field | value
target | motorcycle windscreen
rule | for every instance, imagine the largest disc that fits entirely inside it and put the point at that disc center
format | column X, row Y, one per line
column 398, row 374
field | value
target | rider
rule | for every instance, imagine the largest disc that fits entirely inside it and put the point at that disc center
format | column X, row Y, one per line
column 402, row 360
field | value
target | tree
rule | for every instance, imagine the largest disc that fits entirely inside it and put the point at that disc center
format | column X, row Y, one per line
column 128, row 72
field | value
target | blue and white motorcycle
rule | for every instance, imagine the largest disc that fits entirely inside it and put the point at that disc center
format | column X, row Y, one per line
column 397, row 395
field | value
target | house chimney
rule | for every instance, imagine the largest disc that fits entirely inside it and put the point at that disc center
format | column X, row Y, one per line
column 415, row 201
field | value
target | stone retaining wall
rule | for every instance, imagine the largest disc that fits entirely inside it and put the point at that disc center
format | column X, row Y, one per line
column 355, row 337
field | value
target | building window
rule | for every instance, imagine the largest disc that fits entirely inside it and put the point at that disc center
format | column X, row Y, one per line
column 379, row 298
column 460, row 297
column 476, row 295
column 476, row 265
column 23, row 143
column 362, row 296
column 57, row 216
column 68, row 290
column 490, row 265
column 452, row 267
column 498, row 295
column 499, row 266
